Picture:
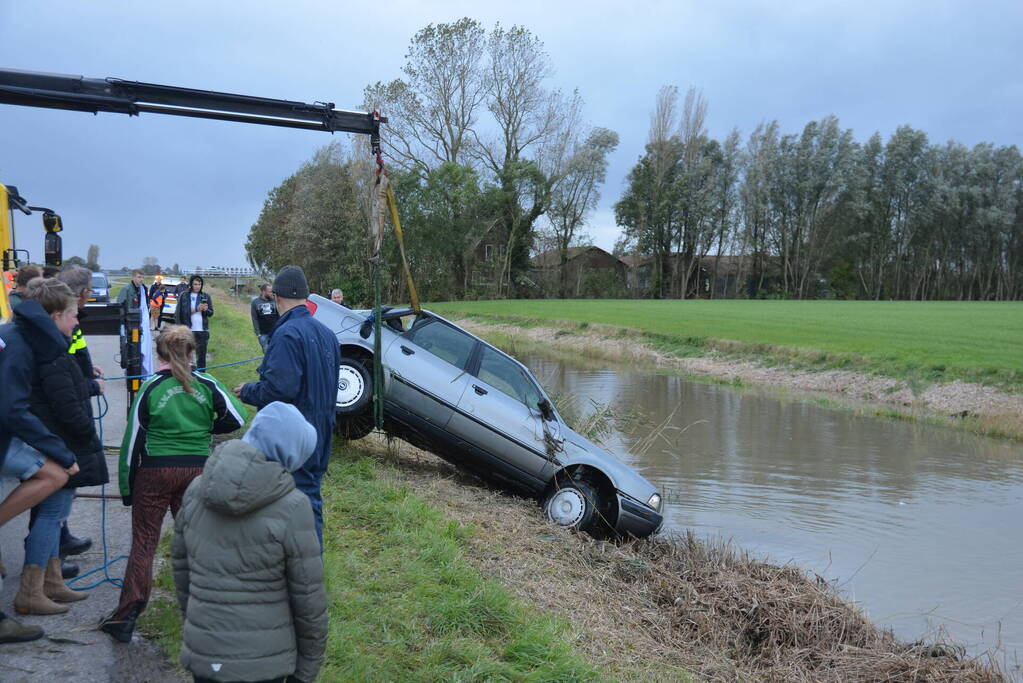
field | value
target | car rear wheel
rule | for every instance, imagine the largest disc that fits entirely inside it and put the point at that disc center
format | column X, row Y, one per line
column 353, row 428
column 354, row 388
column 354, row 401
column 573, row 504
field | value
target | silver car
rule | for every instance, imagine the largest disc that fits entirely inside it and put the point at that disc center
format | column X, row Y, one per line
column 450, row 392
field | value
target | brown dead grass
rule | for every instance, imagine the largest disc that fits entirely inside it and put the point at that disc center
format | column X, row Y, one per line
column 673, row 606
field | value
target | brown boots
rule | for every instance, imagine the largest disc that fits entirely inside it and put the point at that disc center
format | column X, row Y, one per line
column 30, row 598
column 53, row 584
column 40, row 588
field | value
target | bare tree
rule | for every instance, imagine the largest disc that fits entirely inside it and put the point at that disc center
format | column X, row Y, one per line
column 527, row 115
column 432, row 111
column 577, row 191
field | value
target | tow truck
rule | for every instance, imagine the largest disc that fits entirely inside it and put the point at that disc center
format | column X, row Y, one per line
column 119, row 96
column 12, row 257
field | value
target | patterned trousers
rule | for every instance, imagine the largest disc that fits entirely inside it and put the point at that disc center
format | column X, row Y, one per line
column 154, row 490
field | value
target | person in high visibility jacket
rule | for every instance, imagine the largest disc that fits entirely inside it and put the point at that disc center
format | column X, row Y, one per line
column 157, row 297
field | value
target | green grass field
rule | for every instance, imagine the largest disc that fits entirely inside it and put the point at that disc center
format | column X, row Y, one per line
column 980, row 341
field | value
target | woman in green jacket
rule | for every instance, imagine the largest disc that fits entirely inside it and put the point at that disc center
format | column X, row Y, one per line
column 166, row 443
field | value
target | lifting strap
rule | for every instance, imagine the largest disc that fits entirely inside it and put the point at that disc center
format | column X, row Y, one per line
column 385, row 196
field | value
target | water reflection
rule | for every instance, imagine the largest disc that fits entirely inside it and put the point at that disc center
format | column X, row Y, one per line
column 919, row 524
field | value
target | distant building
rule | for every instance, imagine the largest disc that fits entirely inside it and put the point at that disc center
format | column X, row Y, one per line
column 589, row 272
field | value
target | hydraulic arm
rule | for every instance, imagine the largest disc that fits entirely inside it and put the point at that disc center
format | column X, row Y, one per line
column 77, row 93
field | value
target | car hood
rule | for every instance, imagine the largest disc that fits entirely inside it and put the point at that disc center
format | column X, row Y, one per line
column 578, row 450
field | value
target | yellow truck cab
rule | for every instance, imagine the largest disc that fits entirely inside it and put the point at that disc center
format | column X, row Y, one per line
column 9, row 254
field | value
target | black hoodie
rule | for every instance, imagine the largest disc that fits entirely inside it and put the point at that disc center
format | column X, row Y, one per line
column 26, row 344
column 183, row 313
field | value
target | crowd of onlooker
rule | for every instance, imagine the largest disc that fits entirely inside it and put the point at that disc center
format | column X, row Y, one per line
column 248, row 524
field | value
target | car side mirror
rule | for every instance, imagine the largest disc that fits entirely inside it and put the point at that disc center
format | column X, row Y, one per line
column 546, row 409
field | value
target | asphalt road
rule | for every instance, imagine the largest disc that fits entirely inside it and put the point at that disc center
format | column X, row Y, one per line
column 73, row 650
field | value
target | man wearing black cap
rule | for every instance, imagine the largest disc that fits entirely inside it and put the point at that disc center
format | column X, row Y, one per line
column 300, row 367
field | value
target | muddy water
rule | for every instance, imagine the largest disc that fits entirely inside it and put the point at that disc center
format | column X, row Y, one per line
column 921, row 526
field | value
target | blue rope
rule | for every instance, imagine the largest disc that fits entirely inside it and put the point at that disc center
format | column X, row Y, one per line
column 102, row 407
column 208, row 367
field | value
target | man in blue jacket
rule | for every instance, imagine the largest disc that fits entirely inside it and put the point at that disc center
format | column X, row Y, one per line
column 300, row 367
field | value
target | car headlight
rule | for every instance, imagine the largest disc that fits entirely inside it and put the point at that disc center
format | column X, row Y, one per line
column 655, row 502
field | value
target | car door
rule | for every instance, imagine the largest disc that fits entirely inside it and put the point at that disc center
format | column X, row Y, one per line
column 499, row 413
column 427, row 372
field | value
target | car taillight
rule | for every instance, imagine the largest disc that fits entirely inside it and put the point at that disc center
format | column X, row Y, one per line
column 311, row 306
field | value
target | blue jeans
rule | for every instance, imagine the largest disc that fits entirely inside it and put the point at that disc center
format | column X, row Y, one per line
column 264, row 339
column 43, row 540
column 21, row 461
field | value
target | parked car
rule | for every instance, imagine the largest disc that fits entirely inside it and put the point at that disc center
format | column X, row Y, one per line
column 450, row 392
column 170, row 302
column 100, row 288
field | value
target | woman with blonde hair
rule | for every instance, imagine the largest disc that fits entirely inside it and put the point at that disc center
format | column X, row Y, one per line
column 165, row 446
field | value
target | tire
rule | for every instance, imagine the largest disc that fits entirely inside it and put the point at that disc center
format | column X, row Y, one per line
column 354, row 389
column 354, row 428
column 354, row 402
column 572, row 504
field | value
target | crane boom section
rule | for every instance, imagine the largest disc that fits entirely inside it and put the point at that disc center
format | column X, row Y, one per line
column 77, row 93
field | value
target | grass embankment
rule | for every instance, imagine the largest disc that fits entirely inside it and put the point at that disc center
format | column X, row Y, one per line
column 931, row 341
column 404, row 602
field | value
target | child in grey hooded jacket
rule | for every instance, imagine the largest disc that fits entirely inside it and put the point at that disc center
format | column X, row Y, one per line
column 247, row 562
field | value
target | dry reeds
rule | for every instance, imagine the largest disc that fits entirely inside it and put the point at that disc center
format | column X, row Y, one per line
column 779, row 623
column 647, row 610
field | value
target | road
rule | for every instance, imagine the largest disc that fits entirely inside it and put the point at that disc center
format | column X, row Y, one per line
column 73, row 649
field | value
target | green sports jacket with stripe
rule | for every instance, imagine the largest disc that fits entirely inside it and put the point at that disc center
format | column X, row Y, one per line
column 169, row 427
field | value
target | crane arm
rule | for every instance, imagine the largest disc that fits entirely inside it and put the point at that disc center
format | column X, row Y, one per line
column 77, row 93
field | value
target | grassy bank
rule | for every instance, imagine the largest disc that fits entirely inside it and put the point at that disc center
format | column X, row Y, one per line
column 404, row 603
column 935, row 341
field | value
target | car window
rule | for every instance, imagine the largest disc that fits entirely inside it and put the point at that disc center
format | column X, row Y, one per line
column 506, row 376
column 99, row 281
column 445, row 342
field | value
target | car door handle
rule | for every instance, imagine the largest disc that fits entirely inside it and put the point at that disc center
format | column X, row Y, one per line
column 406, row 350
column 479, row 390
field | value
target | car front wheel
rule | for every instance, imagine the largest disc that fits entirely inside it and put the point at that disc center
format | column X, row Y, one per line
column 572, row 503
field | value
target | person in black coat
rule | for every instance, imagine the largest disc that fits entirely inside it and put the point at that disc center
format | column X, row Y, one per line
column 58, row 397
column 79, row 280
column 195, row 308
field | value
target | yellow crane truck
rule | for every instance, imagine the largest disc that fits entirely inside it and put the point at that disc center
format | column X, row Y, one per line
column 12, row 256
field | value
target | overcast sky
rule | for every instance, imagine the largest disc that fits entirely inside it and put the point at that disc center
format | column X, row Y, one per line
column 187, row 190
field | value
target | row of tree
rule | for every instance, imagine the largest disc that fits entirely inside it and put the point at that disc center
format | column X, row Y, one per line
column 818, row 213
column 481, row 146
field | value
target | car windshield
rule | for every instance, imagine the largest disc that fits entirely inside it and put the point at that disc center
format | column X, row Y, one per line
column 99, row 281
